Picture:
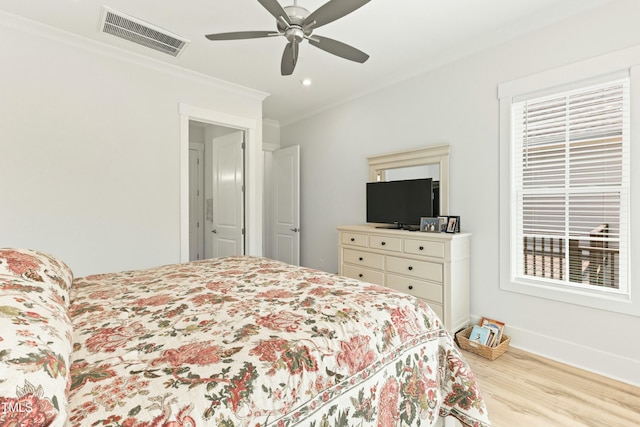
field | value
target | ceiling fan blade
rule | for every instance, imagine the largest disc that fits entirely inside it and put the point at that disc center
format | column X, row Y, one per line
column 276, row 10
column 332, row 10
column 289, row 58
column 240, row 35
column 338, row 48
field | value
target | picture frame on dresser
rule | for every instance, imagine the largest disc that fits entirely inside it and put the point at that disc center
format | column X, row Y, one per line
column 453, row 224
column 443, row 221
column 429, row 225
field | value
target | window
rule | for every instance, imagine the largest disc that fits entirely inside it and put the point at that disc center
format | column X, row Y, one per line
column 566, row 188
column 570, row 188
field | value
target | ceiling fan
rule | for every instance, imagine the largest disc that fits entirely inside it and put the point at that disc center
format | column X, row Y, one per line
column 296, row 24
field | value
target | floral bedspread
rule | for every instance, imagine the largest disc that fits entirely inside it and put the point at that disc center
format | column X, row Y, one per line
column 246, row 341
column 35, row 339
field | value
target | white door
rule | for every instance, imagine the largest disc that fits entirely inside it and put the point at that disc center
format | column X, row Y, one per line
column 286, row 239
column 227, row 225
column 196, row 201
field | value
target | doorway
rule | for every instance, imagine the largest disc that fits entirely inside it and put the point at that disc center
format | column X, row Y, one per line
column 252, row 173
column 216, row 191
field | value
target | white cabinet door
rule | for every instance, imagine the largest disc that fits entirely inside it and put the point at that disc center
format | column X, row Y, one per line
column 286, row 239
column 196, row 201
column 228, row 197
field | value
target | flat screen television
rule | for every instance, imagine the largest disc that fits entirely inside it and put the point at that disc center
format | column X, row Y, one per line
column 401, row 203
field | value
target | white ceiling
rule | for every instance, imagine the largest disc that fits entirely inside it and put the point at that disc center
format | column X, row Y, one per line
column 402, row 37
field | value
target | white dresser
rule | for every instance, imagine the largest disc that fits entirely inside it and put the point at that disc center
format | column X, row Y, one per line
column 431, row 266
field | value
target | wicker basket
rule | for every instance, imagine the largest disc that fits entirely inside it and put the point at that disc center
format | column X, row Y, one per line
column 490, row 353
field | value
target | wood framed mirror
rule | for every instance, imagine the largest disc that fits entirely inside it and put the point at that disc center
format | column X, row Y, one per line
column 428, row 162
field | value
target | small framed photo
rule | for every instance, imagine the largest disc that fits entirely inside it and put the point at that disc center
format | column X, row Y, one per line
column 442, row 223
column 430, row 225
column 453, row 224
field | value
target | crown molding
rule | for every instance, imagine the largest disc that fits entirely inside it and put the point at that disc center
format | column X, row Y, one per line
column 39, row 29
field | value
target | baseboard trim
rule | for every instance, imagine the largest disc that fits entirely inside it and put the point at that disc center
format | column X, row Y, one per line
column 610, row 365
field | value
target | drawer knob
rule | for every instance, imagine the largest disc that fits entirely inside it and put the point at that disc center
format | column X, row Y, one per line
column 353, row 239
column 421, row 248
column 410, row 287
column 360, row 258
column 360, row 275
column 383, row 243
column 410, row 268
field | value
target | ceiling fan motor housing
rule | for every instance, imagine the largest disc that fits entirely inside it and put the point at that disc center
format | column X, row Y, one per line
column 295, row 31
column 296, row 14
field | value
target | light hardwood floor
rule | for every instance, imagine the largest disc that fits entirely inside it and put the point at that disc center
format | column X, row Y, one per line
column 523, row 389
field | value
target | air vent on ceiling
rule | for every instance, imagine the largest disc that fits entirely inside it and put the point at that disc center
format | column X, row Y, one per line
column 142, row 33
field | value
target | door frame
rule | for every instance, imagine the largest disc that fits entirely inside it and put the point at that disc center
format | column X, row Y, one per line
column 252, row 171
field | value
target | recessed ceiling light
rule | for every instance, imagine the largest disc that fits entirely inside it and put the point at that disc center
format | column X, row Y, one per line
column 306, row 82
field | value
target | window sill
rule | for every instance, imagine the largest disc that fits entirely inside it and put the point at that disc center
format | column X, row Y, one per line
column 602, row 300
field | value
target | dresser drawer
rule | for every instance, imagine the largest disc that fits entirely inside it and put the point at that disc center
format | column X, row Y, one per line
column 364, row 274
column 354, row 239
column 365, row 259
column 411, row 267
column 424, row 247
column 385, row 242
column 417, row 288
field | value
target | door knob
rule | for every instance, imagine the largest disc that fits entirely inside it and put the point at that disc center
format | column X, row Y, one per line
column 295, row 230
column 214, row 231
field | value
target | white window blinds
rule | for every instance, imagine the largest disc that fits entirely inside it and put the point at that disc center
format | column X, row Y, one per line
column 571, row 187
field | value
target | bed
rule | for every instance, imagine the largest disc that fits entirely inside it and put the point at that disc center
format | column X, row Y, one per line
column 237, row 341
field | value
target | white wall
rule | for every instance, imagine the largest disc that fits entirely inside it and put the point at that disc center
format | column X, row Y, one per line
column 90, row 148
column 458, row 104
